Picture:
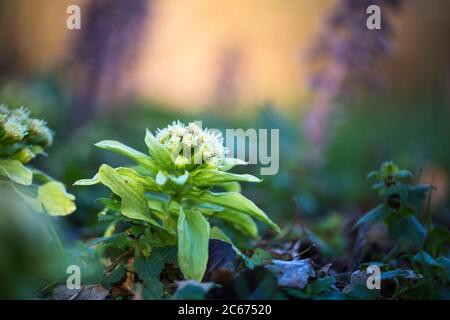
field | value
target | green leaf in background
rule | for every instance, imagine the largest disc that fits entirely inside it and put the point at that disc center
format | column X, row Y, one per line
column 238, row 202
column 16, row 171
column 114, row 277
column 425, row 258
column 153, row 289
column 190, row 291
column 151, row 267
column 158, row 153
column 361, row 292
column 440, row 237
column 132, row 192
column 408, row 228
column 129, row 152
column 204, row 178
column 193, row 237
column 377, row 214
column 55, row 199
column 256, row 284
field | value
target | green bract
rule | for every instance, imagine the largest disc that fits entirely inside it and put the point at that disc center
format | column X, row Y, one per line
column 170, row 190
column 22, row 138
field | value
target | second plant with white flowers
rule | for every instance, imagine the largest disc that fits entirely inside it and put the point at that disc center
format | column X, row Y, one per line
column 167, row 198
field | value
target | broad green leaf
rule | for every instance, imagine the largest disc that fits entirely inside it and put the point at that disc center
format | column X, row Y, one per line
column 157, row 151
column 204, row 178
column 236, row 201
column 88, row 182
column 230, row 163
column 129, row 152
column 239, row 220
column 55, row 199
column 130, row 190
column 148, row 182
column 151, row 267
column 16, row 171
column 193, row 237
column 114, row 277
column 375, row 215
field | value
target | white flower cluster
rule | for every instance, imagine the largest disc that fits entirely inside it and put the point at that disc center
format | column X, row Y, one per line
column 16, row 126
column 192, row 145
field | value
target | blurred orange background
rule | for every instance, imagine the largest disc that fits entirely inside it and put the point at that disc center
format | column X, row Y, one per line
column 258, row 46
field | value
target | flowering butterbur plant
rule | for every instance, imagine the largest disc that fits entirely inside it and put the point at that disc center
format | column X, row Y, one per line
column 22, row 138
column 168, row 196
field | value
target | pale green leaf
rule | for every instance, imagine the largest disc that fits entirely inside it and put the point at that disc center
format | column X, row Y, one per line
column 230, row 163
column 16, row 171
column 236, row 201
column 208, row 177
column 239, row 220
column 130, row 189
column 230, row 187
column 88, row 182
column 129, row 152
column 55, row 199
column 193, row 237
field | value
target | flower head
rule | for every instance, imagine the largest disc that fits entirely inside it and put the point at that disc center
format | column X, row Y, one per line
column 39, row 133
column 12, row 131
column 16, row 126
column 192, row 145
